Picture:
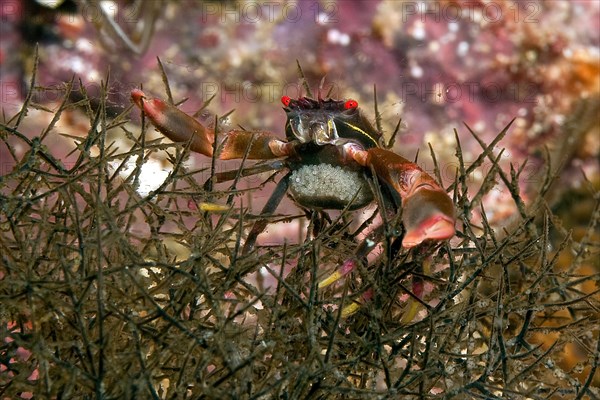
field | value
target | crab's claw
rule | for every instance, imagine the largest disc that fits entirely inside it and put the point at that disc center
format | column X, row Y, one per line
column 427, row 210
column 175, row 124
column 183, row 128
column 427, row 213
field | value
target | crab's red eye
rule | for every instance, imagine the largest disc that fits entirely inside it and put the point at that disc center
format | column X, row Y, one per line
column 286, row 100
column 350, row 104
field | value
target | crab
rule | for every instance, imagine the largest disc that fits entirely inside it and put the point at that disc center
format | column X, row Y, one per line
column 335, row 159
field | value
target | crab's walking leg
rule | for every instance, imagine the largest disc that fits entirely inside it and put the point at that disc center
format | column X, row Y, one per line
column 365, row 247
column 232, row 174
column 363, row 250
column 269, row 208
column 427, row 210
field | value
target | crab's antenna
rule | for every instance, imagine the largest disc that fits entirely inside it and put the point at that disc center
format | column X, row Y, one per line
column 377, row 113
column 321, row 86
column 304, row 82
column 330, row 91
